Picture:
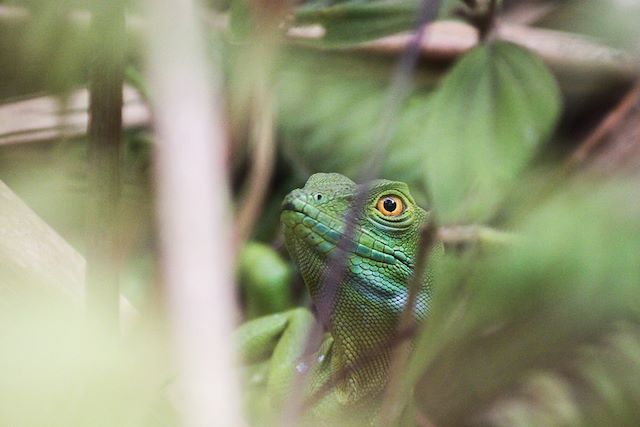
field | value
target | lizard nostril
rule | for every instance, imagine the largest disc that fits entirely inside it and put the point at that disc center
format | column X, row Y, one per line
column 318, row 197
column 292, row 200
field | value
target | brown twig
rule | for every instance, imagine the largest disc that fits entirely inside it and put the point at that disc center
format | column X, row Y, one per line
column 489, row 20
column 611, row 124
column 456, row 235
column 262, row 163
column 480, row 14
column 43, row 119
column 262, row 47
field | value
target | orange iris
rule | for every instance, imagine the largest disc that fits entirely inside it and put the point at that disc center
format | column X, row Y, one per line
column 390, row 205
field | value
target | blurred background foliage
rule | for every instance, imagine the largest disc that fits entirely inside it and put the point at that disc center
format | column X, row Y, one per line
column 544, row 332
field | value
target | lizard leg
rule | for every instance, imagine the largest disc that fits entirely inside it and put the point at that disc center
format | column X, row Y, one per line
column 274, row 344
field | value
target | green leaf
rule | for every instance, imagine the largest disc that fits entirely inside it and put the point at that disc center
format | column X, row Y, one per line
column 569, row 281
column 355, row 21
column 484, row 124
column 328, row 108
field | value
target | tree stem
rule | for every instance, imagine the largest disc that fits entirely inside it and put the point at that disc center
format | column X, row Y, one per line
column 104, row 151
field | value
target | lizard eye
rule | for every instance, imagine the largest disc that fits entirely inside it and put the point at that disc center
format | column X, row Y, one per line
column 390, row 205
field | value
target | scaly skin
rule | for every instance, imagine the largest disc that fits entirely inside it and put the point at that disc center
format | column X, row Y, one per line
column 368, row 301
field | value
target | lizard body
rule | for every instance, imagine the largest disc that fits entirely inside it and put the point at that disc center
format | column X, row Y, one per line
column 368, row 300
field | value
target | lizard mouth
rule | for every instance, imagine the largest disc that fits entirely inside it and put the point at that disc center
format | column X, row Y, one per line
column 323, row 232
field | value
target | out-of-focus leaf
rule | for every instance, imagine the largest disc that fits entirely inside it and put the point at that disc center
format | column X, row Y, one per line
column 61, row 370
column 329, row 108
column 614, row 22
column 568, row 284
column 50, row 50
column 490, row 114
column 357, row 21
column 266, row 280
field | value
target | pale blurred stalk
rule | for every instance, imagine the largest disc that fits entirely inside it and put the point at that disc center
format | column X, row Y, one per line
column 195, row 213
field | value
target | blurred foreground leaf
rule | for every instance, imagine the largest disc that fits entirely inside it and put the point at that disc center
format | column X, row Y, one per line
column 60, row 370
column 555, row 303
column 486, row 120
column 46, row 51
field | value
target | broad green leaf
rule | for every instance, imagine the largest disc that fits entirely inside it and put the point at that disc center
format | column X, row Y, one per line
column 484, row 124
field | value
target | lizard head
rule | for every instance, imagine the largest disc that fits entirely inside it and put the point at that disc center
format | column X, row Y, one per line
column 384, row 243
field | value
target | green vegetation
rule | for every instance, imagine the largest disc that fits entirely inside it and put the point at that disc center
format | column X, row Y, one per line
column 513, row 123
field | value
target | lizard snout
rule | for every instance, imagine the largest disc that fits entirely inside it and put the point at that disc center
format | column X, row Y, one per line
column 293, row 199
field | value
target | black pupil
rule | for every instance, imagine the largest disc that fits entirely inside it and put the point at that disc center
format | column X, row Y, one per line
column 389, row 204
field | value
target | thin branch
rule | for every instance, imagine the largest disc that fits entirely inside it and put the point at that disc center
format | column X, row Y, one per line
column 482, row 15
column 490, row 19
column 448, row 40
column 606, row 128
column 262, row 161
column 263, row 43
column 456, row 235
column 43, row 119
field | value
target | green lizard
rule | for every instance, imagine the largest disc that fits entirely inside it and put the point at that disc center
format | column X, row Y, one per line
column 354, row 356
